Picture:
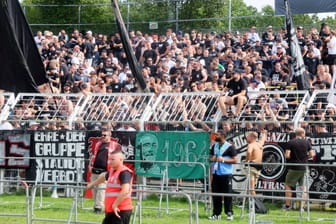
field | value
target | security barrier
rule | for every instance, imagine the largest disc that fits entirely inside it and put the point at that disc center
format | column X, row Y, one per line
column 146, row 189
column 169, row 111
column 192, row 196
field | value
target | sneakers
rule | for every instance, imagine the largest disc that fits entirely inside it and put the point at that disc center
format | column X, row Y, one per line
column 286, row 208
column 229, row 217
column 97, row 210
column 215, row 217
column 240, row 204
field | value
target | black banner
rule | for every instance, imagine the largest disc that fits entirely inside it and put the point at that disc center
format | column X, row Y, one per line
column 321, row 178
column 62, row 156
column 22, row 69
column 14, row 144
column 59, row 151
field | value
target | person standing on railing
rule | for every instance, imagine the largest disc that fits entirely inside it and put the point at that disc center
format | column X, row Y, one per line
column 298, row 151
column 99, row 164
column 222, row 155
column 118, row 201
column 254, row 155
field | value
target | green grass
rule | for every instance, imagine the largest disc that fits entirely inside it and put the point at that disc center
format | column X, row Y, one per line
column 177, row 213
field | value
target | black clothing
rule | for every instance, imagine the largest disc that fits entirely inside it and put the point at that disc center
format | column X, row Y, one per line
column 125, row 217
column 299, row 152
column 101, row 157
column 222, row 184
column 236, row 87
column 124, row 177
column 196, row 75
column 312, row 64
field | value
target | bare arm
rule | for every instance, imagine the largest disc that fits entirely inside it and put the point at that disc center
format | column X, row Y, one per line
column 263, row 137
column 287, row 154
column 99, row 180
column 249, row 153
column 311, row 154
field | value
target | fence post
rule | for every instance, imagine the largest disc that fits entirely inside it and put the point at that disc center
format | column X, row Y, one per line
column 79, row 17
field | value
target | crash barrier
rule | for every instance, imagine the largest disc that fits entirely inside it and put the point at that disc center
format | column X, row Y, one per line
column 189, row 147
column 27, row 202
column 276, row 194
column 146, row 111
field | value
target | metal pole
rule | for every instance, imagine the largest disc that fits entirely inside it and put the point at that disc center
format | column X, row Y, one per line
column 128, row 15
column 79, row 17
column 230, row 16
column 177, row 5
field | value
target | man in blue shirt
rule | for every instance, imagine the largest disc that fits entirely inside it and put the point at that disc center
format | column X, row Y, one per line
column 222, row 156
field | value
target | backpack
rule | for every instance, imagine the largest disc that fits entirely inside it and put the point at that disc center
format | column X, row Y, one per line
column 259, row 206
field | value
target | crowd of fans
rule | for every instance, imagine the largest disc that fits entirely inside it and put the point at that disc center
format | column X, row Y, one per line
column 87, row 62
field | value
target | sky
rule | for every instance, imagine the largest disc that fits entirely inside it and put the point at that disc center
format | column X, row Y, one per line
column 259, row 4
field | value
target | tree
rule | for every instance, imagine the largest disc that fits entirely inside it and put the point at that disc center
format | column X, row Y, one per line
column 184, row 14
column 75, row 12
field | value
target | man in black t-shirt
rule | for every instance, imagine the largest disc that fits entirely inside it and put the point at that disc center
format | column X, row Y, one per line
column 298, row 151
column 99, row 164
column 235, row 94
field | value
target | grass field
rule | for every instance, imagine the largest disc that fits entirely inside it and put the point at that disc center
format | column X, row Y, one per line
column 177, row 213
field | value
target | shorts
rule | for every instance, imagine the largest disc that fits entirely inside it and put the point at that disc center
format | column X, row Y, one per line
column 254, row 173
column 295, row 176
column 331, row 59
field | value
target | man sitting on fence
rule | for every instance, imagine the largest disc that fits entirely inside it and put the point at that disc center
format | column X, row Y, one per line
column 235, row 94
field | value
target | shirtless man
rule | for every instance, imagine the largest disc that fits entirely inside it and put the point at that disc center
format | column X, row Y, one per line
column 254, row 156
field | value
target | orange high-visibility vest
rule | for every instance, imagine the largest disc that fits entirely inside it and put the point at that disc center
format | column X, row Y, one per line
column 113, row 188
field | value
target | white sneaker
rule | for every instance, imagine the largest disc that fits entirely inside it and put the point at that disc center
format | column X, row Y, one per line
column 215, row 217
column 229, row 217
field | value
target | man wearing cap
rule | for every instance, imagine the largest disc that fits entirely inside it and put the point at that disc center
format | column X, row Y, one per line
column 260, row 66
column 311, row 61
column 265, row 34
column 235, row 94
column 253, row 36
column 300, row 37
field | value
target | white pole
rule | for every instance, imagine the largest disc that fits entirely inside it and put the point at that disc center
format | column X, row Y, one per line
column 230, row 18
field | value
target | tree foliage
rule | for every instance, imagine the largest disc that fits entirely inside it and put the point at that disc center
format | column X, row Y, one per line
column 176, row 14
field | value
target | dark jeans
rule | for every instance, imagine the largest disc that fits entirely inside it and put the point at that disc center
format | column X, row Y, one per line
column 125, row 217
column 222, row 184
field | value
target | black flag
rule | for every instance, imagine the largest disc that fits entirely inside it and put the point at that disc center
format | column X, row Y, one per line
column 132, row 61
column 295, row 52
column 22, row 69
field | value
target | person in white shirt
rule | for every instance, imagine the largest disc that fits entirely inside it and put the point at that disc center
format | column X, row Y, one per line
column 253, row 36
column 331, row 45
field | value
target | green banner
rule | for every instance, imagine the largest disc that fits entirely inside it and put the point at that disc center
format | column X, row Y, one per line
column 159, row 154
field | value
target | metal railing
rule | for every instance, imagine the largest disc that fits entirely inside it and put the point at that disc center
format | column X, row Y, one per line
column 197, row 195
column 198, row 109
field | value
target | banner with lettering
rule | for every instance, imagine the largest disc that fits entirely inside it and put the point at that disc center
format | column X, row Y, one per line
column 171, row 148
column 60, row 156
column 125, row 138
column 14, row 144
column 321, row 178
